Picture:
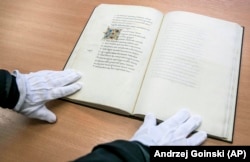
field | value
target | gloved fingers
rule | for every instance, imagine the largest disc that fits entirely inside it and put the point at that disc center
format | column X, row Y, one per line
column 67, row 77
column 178, row 118
column 188, row 126
column 61, row 78
column 149, row 121
column 143, row 133
column 43, row 113
column 197, row 138
column 50, row 79
column 193, row 140
column 62, row 91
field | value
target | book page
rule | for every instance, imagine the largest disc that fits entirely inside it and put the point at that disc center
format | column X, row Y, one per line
column 195, row 65
column 113, row 52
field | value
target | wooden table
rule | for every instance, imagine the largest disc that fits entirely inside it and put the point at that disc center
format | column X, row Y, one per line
column 38, row 35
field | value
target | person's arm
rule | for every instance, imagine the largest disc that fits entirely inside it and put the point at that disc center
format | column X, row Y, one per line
column 172, row 132
column 27, row 94
column 117, row 151
column 9, row 93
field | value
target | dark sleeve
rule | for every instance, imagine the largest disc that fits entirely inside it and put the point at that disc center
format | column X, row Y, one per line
column 9, row 93
column 117, row 151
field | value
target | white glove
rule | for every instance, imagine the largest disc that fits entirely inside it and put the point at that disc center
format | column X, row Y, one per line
column 40, row 87
column 173, row 131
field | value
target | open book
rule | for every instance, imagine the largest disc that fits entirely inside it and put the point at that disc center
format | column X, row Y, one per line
column 137, row 60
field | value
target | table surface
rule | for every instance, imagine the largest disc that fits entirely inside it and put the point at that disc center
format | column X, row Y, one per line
column 38, row 35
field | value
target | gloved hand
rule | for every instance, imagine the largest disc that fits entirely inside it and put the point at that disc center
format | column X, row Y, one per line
column 40, row 87
column 173, row 131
